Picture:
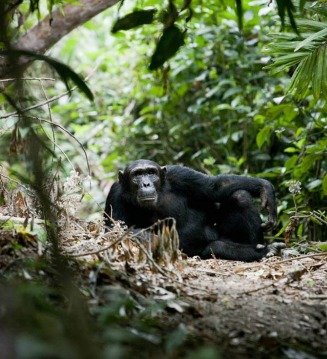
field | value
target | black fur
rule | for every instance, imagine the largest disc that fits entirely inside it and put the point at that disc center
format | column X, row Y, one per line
column 215, row 215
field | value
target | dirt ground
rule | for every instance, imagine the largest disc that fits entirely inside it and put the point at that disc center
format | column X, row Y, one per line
column 275, row 306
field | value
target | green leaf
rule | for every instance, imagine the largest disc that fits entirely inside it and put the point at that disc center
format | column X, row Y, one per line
column 171, row 40
column 291, row 162
column 134, row 19
column 302, row 3
column 286, row 61
column 310, row 25
column 308, row 42
column 323, row 65
column 263, row 136
column 324, row 185
column 322, row 246
column 65, row 72
column 319, row 73
column 291, row 150
column 313, row 184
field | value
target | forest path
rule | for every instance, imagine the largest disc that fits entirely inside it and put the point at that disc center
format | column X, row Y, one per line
column 274, row 306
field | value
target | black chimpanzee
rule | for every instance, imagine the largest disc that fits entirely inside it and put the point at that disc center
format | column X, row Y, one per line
column 215, row 215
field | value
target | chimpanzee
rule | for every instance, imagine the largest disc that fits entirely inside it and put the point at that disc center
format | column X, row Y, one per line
column 215, row 215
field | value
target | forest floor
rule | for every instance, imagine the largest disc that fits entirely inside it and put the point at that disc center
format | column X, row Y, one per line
column 276, row 308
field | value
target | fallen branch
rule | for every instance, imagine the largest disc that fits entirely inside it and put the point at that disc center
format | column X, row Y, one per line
column 21, row 220
column 301, row 257
column 238, row 270
column 99, row 250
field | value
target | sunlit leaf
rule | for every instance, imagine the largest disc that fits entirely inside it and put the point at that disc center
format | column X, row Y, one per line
column 322, row 246
column 313, row 184
column 324, row 184
column 263, row 136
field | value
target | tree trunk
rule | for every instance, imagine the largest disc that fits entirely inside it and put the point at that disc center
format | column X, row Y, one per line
column 52, row 28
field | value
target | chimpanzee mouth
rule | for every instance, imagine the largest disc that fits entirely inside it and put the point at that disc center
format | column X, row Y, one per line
column 146, row 199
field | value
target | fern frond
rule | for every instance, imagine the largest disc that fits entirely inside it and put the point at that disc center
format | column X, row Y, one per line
column 308, row 53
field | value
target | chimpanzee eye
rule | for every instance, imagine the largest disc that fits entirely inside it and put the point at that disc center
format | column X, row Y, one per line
column 137, row 173
column 152, row 171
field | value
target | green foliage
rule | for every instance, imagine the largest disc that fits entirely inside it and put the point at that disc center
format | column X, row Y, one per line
column 172, row 38
column 306, row 53
column 215, row 108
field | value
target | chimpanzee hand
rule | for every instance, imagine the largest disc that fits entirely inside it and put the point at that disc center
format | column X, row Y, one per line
column 268, row 202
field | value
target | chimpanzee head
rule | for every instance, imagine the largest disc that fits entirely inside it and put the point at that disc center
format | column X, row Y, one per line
column 143, row 179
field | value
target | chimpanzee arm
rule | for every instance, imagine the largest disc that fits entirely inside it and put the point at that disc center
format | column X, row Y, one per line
column 201, row 187
column 226, row 185
column 191, row 183
column 115, row 206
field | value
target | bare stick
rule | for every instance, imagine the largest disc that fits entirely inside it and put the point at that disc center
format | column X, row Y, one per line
column 62, row 128
column 256, row 289
column 282, row 261
column 40, row 104
column 30, row 79
column 301, row 257
column 19, row 219
column 99, row 250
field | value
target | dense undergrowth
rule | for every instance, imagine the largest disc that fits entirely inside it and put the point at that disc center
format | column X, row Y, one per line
column 230, row 101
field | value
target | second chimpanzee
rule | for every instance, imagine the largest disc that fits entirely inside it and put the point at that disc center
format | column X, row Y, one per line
column 215, row 215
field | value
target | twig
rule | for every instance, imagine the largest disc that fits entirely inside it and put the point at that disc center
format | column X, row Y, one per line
column 30, row 79
column 17, row 182
column 256, row 289
column 301, row 257
column 280, row 262
column 212, row 273
column 62, row 128
column 101, row 249
column 55, row 144
column 40, row 104
column 19, row 219
column 321, row 296
column 50, row 117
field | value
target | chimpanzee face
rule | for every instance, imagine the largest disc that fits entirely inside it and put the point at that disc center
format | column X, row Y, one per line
column 144, row 179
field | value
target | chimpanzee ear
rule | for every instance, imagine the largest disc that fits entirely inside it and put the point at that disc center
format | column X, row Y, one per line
column 163, row 171
column 120, row 176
